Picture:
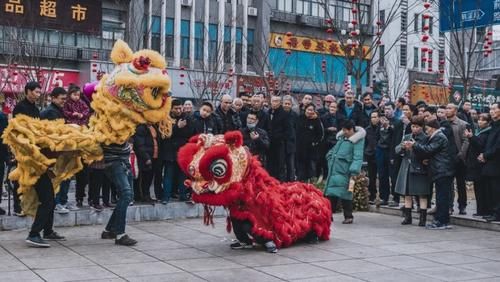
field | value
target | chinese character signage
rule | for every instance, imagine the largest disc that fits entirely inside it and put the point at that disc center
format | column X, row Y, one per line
column 69, row 15
column 306, row 44
column 431, row 94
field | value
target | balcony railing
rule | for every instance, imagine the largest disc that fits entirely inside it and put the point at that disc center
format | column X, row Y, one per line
column 28, row 49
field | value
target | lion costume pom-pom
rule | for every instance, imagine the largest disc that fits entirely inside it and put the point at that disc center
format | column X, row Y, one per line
column 135, row 92
column 222, row 172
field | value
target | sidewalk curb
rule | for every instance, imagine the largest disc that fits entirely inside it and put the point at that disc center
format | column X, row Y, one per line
column 454, row 219
column 136, row 213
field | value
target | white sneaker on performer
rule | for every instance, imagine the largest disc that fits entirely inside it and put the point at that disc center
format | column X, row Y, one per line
column 61, row 209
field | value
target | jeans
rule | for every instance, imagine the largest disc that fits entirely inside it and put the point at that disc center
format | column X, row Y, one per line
column 383, row 162
column 44, row 219
column 460, row 171
column 443, row 187
column 62, row 195
column 120, row 174
column 173, row 177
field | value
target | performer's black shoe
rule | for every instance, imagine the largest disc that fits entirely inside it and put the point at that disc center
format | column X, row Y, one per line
column 240, row 245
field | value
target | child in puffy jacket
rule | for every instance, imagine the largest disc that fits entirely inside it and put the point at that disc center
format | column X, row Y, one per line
column 76, row 111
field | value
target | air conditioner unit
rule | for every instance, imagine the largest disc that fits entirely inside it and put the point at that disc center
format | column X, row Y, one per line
column 186, row 3
column 252, row 11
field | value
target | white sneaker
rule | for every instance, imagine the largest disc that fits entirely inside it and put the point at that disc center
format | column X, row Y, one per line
column 72, row 207
column 61, row 209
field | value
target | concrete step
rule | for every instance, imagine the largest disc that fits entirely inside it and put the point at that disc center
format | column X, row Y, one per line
column 136, row 213
column 460, row 220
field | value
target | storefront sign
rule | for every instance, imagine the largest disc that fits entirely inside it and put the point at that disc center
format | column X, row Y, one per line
column 306, row 44
column 431, row 94
column 69, row 15
column 13, row 80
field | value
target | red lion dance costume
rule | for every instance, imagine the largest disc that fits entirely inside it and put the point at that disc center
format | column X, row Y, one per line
column 222, row 172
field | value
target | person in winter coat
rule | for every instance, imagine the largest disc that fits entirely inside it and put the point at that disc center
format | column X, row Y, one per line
column 491, row 159
column 203, row 120
column 412, row 177
column 146, row 147
column 371, row 141
column 173, row 177
column 291, row 139
column 344, row 160
column 477, row 143
column 75, row 109
column 368, row 108
column 350, row 109
column 331, row 127
column 227, row 118
column 256, row 139
column 309, row 136
column 279, row 131
column 435, row 149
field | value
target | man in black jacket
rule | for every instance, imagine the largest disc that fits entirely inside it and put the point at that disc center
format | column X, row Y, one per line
column 349, row 109
column 55, row 109
column 491, row 160
column 227, row 118
column 371, row 141
column 290, row 142
column 280, row 130
column 44, row 219
column 173, row 177
column 258, row 108
column 146, row 148
column 440, row 168
column 254, row 138
column 368, row 108
column 203, row 121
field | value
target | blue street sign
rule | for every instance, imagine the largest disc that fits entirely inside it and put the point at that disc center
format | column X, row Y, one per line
column 462, row 14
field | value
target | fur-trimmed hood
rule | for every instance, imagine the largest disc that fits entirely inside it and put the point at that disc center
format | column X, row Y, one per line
column 359, row 134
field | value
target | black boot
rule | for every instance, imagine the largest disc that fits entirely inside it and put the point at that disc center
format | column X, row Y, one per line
column 407, row 215
column 423, row 217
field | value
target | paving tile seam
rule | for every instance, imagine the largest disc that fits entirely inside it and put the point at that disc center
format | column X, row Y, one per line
column 215, row 255
column 19, row 260
column 413, row 270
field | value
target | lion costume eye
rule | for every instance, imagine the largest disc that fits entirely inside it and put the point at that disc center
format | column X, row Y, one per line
column 218, row 168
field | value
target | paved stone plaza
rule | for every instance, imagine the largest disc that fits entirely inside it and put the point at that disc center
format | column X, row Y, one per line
column 375, row 248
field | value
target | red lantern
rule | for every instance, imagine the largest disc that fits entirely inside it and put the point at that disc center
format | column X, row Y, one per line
column 485, row 54
column 354, row 22
column 424, row 59
column 429, row 69
column 323, row 62
column 329, row 30
column 183, row 68
column 429, row 51
column 426, row 27
column 94, row 55
column 425, row 49
column 181, row 75
column 181, row 83
column 289, row 34
column 490, row 51
column 426, row 16
column 14, row 73
column 354, row 10
column 288, row 51
column 425, row 37
column 354, row 33
column 490, row 33
column 486, row 47
column 379, row 42
column 427, row 5
column 329, row 40
column 441, row 62
column 441, row 79
column 379, row 23
column 328, row 21
column 490, row 42
column 379, row 33
column 441, row 71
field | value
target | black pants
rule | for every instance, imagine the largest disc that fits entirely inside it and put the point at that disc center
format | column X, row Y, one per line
column 460, row 172
column 346, row 206
column 322, row 164
column 2, row 172
column 44, row 219
column 15, row 196
column 82, row 179
column 98, row 183
column 306, row 168
column 290, row 167
column 146, row 178
column 443, row 187
column 242, row 230
column 481, row 194
column 493, row 186
column 372, row 177
column 276, row 160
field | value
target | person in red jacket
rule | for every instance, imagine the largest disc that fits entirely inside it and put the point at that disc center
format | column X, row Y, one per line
column 76, row 111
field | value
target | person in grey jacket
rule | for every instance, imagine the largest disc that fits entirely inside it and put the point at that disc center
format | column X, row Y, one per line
column 412, row 177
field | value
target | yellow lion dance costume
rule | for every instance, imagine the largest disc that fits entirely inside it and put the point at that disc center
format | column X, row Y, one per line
column 135, row 92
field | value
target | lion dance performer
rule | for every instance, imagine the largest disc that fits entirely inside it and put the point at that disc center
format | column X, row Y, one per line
column 222, row 172
column 47, row 152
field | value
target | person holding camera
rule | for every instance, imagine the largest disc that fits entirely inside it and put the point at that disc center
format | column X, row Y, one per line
column 256, row 139
column 413, row 177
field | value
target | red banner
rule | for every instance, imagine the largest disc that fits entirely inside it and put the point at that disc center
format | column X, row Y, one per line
column 13, row 79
